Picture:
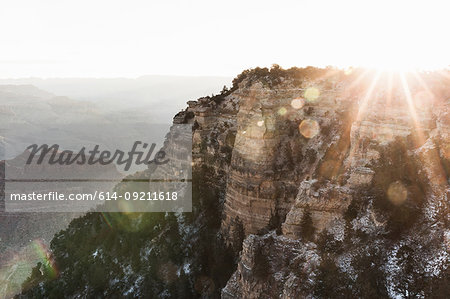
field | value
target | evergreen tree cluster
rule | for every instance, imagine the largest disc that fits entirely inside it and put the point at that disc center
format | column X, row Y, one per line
column 146, row 255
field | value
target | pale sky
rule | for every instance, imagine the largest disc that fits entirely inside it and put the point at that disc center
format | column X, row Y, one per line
column 108, row 38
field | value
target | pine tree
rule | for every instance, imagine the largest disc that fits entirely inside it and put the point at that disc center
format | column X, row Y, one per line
column 331, row 281
column 238, row 234
column 262, row 266
column 224, row 90
column 306, row 225
column 275, row 222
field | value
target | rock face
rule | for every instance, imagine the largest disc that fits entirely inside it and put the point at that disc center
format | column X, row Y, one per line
column 261, row 180
column 278, row 255
column 271, row 156
column 355, row 130
column 315, row 144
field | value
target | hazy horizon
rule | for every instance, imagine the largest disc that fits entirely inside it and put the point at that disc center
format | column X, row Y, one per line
column 113, row 77
column 105, row 39
column 155, row 97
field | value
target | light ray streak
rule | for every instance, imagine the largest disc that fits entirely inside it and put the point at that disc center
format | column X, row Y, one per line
column 422, row 83
column 361, row 111
column 359, row 78
column 412, row 110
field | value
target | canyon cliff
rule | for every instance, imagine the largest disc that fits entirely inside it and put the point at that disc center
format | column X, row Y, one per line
column 308, row 183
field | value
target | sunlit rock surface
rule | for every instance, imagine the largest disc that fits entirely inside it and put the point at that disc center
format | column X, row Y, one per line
column 355, row 130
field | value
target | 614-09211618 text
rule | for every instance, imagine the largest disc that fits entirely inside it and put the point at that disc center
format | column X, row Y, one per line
column 101, row 196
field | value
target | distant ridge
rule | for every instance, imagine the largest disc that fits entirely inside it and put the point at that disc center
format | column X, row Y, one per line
column 11, row 90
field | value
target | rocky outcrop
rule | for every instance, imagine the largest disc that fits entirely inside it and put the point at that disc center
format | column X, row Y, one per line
column 270, row 267
column 261, row 179
column 350, row 154
column 252, row 136
column 272, row 154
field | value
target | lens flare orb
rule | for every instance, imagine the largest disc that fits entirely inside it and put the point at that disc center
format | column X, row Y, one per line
column 309, row 128
column 282, row 111
column 397, row 193
column 348, row 71
column 298, row 103
column 312, row 94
